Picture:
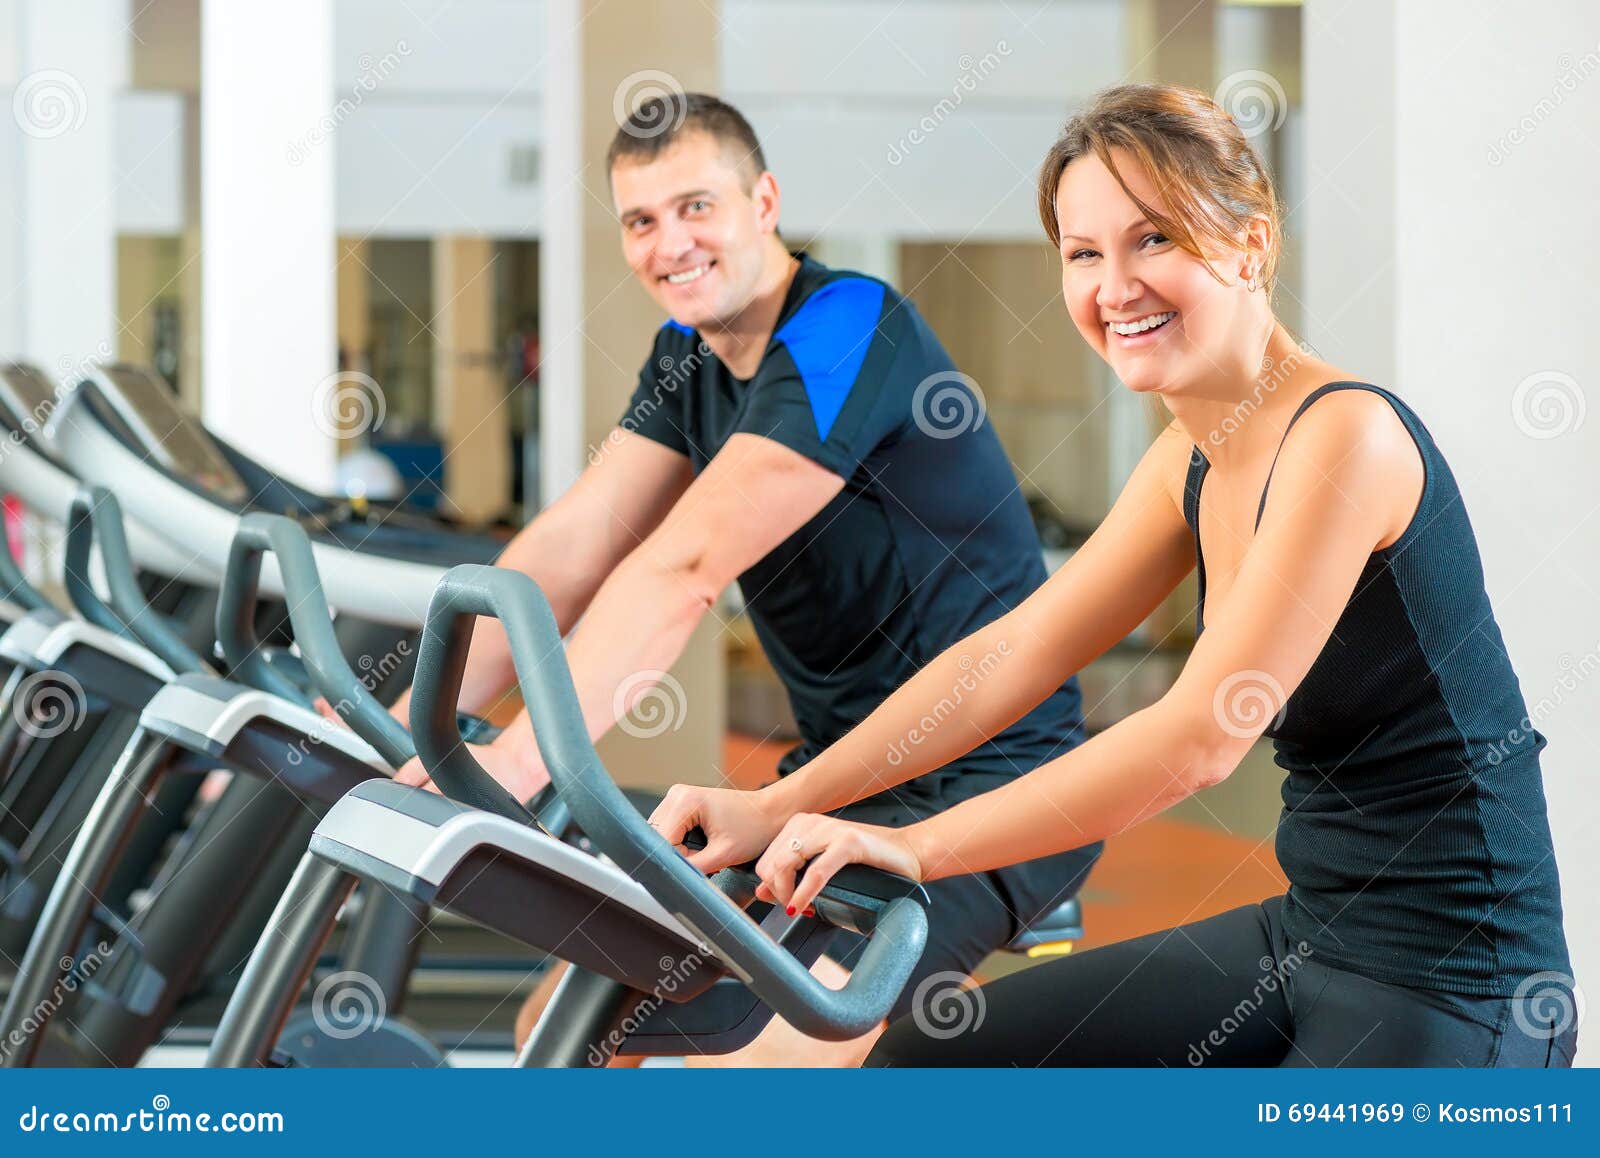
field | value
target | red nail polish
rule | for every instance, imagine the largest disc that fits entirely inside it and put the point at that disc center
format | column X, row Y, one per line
column 789, row 909
column 810, row 912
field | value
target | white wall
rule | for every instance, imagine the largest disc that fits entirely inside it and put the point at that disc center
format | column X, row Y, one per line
column 1459, row 278
column 59, row 72
column 930, row 127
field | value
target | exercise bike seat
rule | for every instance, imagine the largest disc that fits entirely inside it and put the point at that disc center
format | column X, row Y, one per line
column 1051, row 932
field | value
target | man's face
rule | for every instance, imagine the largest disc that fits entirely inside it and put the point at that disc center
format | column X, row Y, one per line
column 692, row 234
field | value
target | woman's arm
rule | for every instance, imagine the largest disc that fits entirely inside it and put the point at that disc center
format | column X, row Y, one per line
column 1347, row 482
column 982, row 685
column 987, row 682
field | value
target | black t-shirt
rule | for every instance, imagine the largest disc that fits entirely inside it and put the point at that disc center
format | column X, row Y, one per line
column 929, row 540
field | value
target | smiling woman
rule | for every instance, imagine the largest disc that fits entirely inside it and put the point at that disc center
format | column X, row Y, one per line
column 1345, row 620
column 1140, row 281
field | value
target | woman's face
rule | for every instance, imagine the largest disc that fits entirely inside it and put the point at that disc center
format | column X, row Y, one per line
column 1154, row 312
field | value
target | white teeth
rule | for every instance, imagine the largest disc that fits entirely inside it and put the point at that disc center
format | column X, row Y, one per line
column 687, row 275
column 1128, row 329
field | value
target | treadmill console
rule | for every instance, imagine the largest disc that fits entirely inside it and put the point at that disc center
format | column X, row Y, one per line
column 138, row 407
column 27, row 397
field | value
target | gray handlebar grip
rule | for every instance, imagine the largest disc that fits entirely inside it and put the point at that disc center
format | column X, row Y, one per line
column 96, row 516
column 75, row 566
column 617, row 829
column 313, row 631
column 435, row 724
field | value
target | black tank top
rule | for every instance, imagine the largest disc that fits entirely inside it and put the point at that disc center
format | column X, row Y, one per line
column 1414, row 832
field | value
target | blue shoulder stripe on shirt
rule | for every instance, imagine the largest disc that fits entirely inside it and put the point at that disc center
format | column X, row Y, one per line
column 828, row 339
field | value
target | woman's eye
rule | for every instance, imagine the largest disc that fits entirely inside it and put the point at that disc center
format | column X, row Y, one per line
column 1077, row 253
column 1158, row 238
column 698, row 206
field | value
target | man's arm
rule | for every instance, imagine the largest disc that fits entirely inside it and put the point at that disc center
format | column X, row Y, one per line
column 751, row 497
column 570, row 547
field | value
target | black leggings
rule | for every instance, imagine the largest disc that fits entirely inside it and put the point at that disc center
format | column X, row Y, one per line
column 1228, row 991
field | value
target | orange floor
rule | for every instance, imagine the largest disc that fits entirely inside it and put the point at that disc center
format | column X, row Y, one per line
column 1160, row 874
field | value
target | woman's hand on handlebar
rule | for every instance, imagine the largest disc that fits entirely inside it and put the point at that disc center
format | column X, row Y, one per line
column 738, row 824
column 511, row 769
column 828, row 844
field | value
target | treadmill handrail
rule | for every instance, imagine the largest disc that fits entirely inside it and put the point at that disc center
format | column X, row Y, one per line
column 95, row 518
column 258, row 534
column 612, row 823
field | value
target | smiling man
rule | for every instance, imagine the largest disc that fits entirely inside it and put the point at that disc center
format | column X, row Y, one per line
column 790, row 433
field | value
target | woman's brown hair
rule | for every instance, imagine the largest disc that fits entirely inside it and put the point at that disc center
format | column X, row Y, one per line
column 1210, row 176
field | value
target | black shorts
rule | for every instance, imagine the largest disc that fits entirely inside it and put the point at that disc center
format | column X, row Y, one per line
column 1230, row 991
column 970, row 916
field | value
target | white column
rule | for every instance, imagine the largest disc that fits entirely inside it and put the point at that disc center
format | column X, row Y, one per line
column 59, row 76
column 1450, row 256
column 596, row 326
column 561, row 250
column 267, row 233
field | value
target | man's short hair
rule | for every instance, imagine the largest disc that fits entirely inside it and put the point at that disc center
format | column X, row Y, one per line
column 660, row 121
